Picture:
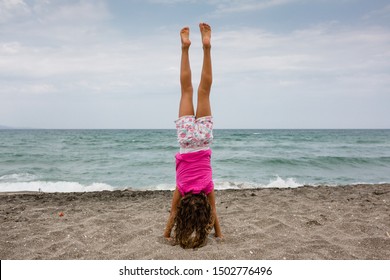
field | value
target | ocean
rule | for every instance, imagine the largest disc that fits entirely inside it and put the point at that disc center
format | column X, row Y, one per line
column 94, row 160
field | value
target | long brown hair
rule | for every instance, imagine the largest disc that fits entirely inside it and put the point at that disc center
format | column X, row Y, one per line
column 193, row 221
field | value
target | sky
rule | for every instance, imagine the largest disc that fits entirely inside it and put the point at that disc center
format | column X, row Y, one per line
column 114, row 64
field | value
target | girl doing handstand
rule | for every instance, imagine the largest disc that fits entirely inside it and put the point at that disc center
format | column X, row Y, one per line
column 193, row 211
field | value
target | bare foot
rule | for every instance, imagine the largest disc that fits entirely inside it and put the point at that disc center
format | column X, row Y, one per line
column 205, row 31
column 185, row 37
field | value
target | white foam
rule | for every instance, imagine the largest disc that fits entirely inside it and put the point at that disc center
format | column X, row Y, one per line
column 162, row 187
column 281, row 183
column 18, row 177
column 273, row 183
column 53, row 187
column 63, row 186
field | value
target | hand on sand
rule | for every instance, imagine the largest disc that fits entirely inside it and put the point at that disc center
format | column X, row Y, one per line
column 169, row 240
column 219, row 238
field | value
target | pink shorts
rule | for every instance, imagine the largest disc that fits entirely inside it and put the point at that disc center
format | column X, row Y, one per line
column 194, row 134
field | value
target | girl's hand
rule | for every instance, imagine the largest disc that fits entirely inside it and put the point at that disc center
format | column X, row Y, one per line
column 219, row 238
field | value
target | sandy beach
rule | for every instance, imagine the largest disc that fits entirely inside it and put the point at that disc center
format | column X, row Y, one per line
column 348, row 222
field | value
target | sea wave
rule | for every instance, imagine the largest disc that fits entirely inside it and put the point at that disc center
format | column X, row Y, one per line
column 18, row 177
column 63, row 186
column 42, row 186
column 273, row 183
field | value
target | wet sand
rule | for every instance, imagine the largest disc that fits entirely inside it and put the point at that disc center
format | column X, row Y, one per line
column 345, row 222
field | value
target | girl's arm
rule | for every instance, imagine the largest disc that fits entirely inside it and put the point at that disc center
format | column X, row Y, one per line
column 171, row 220
column 217, row 227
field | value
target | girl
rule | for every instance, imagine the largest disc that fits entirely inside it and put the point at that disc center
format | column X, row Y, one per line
column 193, row 210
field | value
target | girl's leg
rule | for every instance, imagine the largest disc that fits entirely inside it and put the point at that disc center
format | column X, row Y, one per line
column 204, row 108
column 186, row 103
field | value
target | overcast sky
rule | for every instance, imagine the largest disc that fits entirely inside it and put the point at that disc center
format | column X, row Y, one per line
column 115, row 63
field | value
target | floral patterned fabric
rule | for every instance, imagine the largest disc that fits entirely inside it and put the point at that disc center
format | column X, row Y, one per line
column 194, row 134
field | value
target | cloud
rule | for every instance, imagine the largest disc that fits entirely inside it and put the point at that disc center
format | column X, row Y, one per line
column 10, row 9
column 224, row 7
column 54, row 10
column 116, row 66
column 71, row 44
column 49, row 22
column 380, row 13
column 172, row 2
column 324, row 71
column 228, row 7
column 9, row 48
column 79, row 12
column 323, row 51
column 66, row 64
column 63, row 52
column 106, row 60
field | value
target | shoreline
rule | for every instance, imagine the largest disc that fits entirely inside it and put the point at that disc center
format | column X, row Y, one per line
column 172, row 189
column 308, row 222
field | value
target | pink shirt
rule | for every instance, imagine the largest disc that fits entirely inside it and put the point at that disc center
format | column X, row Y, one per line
column 194, row 173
